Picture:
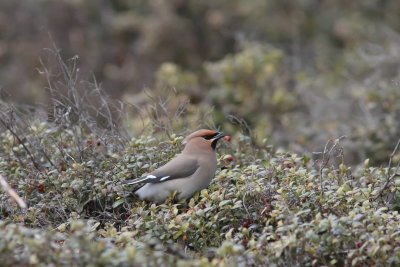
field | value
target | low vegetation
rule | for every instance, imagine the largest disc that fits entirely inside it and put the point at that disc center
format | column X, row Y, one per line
column 264, row 207
column 308, row 90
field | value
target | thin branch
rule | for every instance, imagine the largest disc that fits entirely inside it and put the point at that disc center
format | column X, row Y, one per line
column 390, row 175
column 326, row 156
column 7, row 188
column 21, row 142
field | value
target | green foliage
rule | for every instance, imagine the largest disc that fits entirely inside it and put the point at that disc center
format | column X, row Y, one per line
column 265, row 211
column 288, row 73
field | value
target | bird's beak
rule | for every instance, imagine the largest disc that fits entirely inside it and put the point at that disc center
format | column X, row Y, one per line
column 218, row 136
column 215, row 139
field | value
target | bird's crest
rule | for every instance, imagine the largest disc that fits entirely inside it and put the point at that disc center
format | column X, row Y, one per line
column 200, row 133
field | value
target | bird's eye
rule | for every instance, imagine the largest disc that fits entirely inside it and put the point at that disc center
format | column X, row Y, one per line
column 209, row 136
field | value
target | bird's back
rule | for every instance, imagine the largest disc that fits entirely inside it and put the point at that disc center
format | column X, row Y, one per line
column 186, row 185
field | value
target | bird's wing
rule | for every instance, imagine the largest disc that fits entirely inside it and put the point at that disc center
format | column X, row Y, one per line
column 179, row 167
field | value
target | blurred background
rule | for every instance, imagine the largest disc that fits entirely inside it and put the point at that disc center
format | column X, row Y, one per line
column 292, row 73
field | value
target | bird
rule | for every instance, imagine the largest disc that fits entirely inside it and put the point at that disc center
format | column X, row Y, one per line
column 187, row 173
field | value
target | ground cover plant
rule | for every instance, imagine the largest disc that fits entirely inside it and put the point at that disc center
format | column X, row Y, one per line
column 265, row 207
column 298, row 72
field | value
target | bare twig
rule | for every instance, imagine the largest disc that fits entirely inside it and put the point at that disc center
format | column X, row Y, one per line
column 243, row 125
column 162, row 113
column 390, row 175
column 330, row 147
column 7, row 188
column 246, row 129
column 5, row 124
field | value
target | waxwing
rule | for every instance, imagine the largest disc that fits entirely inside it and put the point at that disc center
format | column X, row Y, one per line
column 187, row 173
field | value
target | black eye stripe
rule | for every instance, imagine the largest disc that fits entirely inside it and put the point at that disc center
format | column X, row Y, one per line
column 209, row 136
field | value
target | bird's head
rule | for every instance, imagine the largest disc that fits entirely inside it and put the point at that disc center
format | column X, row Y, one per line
column 205, row 137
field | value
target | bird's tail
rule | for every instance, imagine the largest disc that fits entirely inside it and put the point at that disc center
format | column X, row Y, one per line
column 134, row 181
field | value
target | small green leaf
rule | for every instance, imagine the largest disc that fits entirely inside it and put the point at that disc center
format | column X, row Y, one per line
column 118, row 203
column 224, row 202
